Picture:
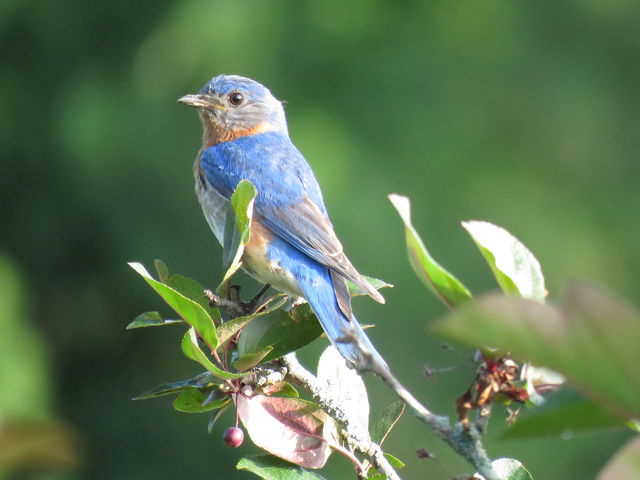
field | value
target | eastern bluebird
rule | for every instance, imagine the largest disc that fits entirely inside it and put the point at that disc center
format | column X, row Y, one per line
column 293, row 246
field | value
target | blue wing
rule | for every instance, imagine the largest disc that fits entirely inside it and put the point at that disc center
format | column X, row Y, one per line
column 289, row 200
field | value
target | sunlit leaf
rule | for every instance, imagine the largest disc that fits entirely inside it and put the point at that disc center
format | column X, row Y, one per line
column 150, row 319
column 192, row 350
column 509, row 469
column 190, row 311
column 394, row 461
column 290, row 428
column 191, row 289
column 592, row 340
column 269, row 467
column 286, row 390
column 237, row 231
column 376, row 283
column 250, row 360
column 514, row 266
column 445, row 286
column 345, row 385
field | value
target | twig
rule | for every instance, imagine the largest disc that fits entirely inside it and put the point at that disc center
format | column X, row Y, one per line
column 355, row 435
column 464, row 440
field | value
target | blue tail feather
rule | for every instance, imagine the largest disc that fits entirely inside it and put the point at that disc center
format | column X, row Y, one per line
column 319, row 291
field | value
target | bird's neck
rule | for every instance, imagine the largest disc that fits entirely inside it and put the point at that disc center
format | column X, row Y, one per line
column 213, row 133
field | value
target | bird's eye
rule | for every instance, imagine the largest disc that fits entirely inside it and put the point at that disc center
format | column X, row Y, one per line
column 236, row 98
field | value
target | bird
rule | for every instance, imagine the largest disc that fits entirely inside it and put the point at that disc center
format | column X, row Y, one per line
column 293, row 246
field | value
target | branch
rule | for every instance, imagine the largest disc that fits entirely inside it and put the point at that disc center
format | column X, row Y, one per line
column 353, row 433
column 465, row 440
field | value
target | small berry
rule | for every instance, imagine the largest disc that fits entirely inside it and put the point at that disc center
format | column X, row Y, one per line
column 233, row 437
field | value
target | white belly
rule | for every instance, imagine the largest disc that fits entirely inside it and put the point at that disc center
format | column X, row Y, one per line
column 214, row 207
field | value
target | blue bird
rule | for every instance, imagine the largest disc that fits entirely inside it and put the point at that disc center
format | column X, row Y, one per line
column 293, row 246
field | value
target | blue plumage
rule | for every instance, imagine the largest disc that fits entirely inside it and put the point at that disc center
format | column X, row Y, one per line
column 293, row 245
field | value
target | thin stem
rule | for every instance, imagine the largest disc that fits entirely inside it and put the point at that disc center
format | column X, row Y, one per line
column 465, row 440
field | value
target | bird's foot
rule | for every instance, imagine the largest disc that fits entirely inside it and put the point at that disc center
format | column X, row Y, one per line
column 235, row 305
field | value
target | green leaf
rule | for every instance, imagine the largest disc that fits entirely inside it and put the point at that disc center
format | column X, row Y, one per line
column 390, row 417
column 237, row 231
column 192, row 350
column 285, row 332
column 250, row 360
column 151, row 319
column 578, row 416
column 269, row 467
column 192, row 401
column 625, row 464
column 394, row 461
column 592, row 339
column 228, row 329
column 287, row 390
column 191, row 289
column 377, row 476
column 516, row 269
column 509, row 469
column 443, row 284
column 162, row 270
column 190, row 311
column 376, row 283
column 203, row 380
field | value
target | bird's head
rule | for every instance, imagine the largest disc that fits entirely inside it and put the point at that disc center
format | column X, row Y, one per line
column 232, row 106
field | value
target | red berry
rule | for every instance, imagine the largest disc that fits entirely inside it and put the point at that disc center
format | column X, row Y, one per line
column 233, row 437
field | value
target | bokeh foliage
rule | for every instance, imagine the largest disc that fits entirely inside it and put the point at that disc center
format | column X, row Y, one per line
column 521, row 113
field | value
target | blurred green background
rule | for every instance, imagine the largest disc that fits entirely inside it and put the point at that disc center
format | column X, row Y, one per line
column 521, row 113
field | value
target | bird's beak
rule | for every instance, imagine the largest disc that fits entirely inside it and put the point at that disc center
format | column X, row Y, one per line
column 200, row 101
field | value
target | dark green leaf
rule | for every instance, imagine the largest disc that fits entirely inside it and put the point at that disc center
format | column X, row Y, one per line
column 203, row 380
column 390, row 417
column 192, row 350
column 514, row 266
column 150, row 319
column 250, row 360
column 285, row 332
column 192, row 400
column 445, row 286
column 269, row 467
column 592, row 340
column 228, row 329
column 376, row 283
column 190, row 311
